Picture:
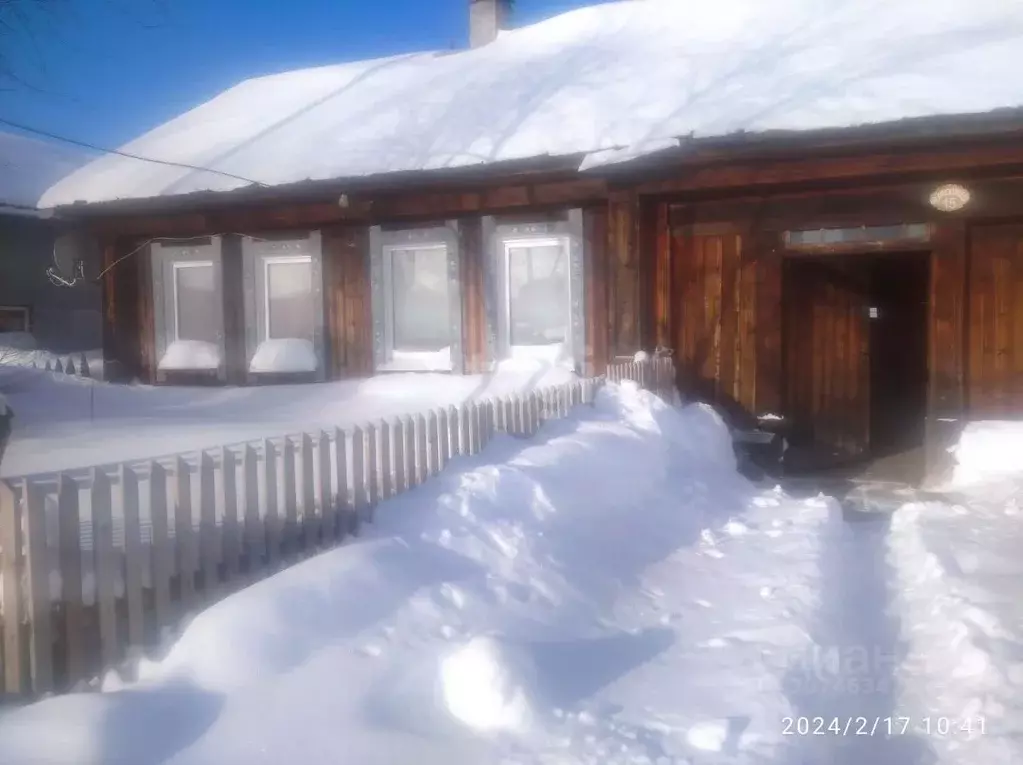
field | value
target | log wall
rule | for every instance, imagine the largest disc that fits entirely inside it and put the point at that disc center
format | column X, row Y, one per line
column 690, row 258
column 348, row 301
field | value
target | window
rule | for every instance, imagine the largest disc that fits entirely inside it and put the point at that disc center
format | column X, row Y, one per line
column 188, row 307
column 417, row 311
column 537, row 297
column 195, row 305
column 539, row 310
column 420, row 306
column 289, row 288
column 15, row 318
column 284, row 304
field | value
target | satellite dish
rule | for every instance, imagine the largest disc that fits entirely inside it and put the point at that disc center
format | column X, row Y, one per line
column 65, row 249
column 75, row 259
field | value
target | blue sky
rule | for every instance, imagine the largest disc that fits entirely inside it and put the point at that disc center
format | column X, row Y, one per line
column 111, row 69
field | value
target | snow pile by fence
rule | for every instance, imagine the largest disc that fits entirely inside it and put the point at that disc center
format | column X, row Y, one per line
column 542, row 601
column 64, row 423
column 145, row 543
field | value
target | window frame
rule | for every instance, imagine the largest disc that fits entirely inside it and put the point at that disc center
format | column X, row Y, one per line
column 26, row 313
column 383, row 243
column 502, row 238
column 166, row 258
column 263, row 284
column 258, row 253
column 181, row 265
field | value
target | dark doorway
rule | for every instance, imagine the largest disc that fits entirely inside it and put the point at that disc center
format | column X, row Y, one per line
column 898, row 353
column 856, row 360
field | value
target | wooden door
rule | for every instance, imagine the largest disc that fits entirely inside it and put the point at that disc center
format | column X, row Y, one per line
column 827, row 306
column 714, row 286
column 995, row 322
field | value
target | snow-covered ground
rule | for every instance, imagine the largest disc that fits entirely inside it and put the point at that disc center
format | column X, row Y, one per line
column 62, row 423
column 610, row 591
column 960, row 578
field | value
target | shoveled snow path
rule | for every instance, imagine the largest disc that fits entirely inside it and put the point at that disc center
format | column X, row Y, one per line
column 610, row 592
column 960, row 574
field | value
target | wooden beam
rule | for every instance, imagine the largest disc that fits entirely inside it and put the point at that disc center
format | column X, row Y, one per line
column 145, row 326
column 947, row 348
column 334, row 301
column 597, row 296
column 661, row 275
column 376, row 208
column 769, row 384
column 648, row 240
column 125, row 338
column 624, row 273
column 731, row 247
column 111, row 349
column 801, row 170
column 358, row 318
column 345, row 251
column 892, row 203
column 746, row 330
column 235, row 355
column 474, row 319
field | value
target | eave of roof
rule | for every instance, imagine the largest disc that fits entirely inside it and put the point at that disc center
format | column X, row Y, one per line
column 918, row 133
column 613, row 81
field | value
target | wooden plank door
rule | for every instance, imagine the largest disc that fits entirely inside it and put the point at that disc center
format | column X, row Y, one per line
column 827, row 342
column 714, row 317
column 994, row 322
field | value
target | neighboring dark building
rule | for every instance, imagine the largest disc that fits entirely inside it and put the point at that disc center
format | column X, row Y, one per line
column 60, row 319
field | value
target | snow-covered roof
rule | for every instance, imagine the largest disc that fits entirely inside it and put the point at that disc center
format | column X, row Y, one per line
column 612, row 81
column 28, row 167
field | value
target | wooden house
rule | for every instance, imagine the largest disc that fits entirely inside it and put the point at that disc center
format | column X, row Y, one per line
column 838, row 244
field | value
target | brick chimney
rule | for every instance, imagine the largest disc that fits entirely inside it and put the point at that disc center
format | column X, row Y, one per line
column 486, row 19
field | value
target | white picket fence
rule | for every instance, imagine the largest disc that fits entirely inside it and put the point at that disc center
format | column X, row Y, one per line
column 73, row 364
column 106, row 560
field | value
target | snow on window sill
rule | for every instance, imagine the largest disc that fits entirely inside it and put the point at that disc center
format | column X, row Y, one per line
column 555, row 353
column 190, row 356
column 284, row 356
column 418, row 361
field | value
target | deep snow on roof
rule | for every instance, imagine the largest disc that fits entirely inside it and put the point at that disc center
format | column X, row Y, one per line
column 29, row 166
column 612, row 81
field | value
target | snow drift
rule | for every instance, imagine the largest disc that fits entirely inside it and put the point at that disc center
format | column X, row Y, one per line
column 486, row 685
column 563, row 599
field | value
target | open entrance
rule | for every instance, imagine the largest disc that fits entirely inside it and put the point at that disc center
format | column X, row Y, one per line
column 856, row 358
